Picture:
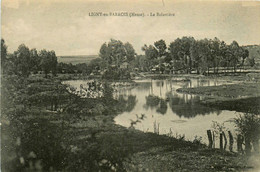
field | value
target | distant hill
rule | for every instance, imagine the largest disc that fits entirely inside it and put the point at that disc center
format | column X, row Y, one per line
column 77, row 59
column 254, row 52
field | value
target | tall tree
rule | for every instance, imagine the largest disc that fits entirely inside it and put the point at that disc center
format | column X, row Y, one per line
column 223, row 54
column 215, row 53
column 205, row 55
column 235, row 53
column 161, row 47
column 104, row 53
column 48, row 62
column 3, row 54
column 245, row 54
column 22, row 60
column 35, row 60
column 54, row 63
column 180, row 52
column 130, row 52
column 115, row 52
column 151, row 54
column 195, row 55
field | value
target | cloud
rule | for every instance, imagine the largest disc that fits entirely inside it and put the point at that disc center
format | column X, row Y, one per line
column 19, row 31
column 68, row 29
column 10, row 3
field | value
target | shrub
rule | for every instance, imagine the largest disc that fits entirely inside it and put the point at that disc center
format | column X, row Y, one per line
column 116, row 74
column 248, row 126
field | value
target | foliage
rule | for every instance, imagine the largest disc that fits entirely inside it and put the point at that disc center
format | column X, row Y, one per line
column 48, row 62
column 96, row 64
column 24, row 61
column 187, row 54
column 3, row 54
column 180, row 51
column 218, row 127
column 197, row 140
column 130, row 52
column 161, row 47
column 30, row 140
column 182, row 55
column 116, row 52
column 251, row 61
column 142, row 63
column 116, row 74
column 151, row 54
column 66, row 68
column 35, row 60
column 248, row 125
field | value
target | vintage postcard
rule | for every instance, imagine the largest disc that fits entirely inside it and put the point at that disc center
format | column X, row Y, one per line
column 130, row 85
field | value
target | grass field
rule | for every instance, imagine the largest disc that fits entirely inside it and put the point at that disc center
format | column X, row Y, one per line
column 76, row 59
column 242, row 97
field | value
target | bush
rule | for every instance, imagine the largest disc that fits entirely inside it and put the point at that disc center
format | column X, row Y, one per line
column 116, row 74
column 248, row 126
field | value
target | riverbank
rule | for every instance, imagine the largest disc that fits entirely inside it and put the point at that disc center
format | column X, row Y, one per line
column 139, row 151
column 242, row 97
column 80, row 135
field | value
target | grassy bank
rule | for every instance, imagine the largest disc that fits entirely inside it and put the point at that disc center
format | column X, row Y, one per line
column 134, row 150
column 242, row 90
column 242, row 97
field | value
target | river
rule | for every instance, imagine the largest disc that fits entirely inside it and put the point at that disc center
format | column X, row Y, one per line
column 156, row 106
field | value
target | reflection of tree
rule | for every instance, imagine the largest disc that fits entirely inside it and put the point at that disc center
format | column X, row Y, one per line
column 144, row 86
column 189, row 108
column 153, row 101
column 159, row 84
column 162, row 107
column 127, row 103
column 186, row 84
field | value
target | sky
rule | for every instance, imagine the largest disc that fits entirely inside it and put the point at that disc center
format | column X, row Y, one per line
column 66, row 27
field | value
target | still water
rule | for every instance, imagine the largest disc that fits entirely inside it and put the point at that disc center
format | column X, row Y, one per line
column 156, row 105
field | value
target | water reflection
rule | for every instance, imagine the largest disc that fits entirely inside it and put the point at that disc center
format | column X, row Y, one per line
column 162, row 94
column 174, row 112
column 127, row 103
column 189, row 106
column 156, row 102
column 151, row 101
column 162, row 107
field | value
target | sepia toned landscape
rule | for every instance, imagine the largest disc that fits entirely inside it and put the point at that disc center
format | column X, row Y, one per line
column 142, row 93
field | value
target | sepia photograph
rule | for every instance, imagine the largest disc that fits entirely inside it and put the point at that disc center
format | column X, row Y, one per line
column 130, row 85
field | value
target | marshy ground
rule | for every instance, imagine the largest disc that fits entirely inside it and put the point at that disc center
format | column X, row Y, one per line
column 85, row 137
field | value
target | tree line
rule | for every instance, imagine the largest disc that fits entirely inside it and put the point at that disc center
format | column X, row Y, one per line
column 188, row 54
column 183, row 54
column 25, row 61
